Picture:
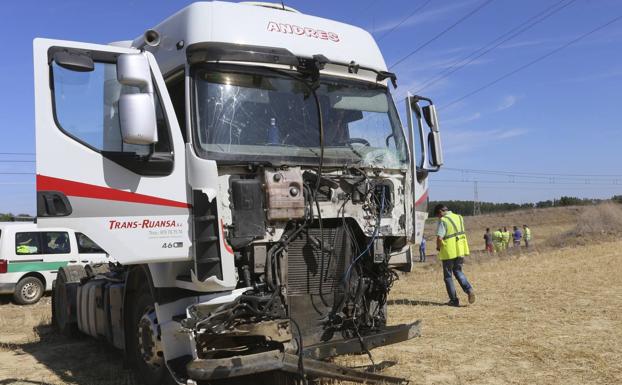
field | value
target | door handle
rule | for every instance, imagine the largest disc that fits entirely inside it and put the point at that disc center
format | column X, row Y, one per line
column 52, row 204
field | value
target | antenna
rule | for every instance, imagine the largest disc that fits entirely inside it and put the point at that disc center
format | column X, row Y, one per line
column 477, row 210
column 282, row 5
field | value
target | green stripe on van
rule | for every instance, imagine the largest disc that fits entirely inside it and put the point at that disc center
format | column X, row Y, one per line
column 15, row 267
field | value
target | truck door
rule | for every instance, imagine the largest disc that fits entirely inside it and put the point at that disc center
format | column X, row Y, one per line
column 110, row 155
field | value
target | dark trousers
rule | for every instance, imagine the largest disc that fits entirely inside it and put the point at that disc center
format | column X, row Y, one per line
column 454, row 267
column 421, row 255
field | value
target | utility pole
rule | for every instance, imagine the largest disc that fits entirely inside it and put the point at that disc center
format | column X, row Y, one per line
column 477, row 210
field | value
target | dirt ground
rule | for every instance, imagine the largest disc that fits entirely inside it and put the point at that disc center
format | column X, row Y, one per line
column 548, row 316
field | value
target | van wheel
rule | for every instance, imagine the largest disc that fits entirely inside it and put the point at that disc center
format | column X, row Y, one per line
column 146, row 343
column 28, row 291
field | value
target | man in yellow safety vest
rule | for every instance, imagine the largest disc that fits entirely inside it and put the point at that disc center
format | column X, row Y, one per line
column 506, row 238
column 497, row 240
column 452, row 247
column 526, row 235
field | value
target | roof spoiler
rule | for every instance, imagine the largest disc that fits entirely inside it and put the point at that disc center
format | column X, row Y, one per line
column 202, row 52
column 215, row 51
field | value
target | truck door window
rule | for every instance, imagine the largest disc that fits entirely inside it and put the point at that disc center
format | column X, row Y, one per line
column 27, row 243
column 86, row 107
column 86, row 245
column 56, row 242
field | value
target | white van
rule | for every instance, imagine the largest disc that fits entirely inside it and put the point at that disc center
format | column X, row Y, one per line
column 30, row 258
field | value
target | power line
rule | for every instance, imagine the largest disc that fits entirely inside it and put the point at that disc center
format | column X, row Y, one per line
column 367, row 8
column 477, row 208
column 497, row 172
column 509, row 35
column 16, row 161
column 17, row 153
column 589, row 183
column 452, row 26
column 515, row 177
column 534, row 61
column 613, row 189
column 17, row 173
column 404, row 20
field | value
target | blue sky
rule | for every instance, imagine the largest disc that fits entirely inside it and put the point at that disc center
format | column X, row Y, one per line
column 553, row 128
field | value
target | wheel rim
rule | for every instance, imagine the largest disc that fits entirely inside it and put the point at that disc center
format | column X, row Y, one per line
column 149, row 339
column 30, row 291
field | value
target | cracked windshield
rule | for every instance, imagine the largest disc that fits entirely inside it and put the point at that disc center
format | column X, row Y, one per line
column 273, row 117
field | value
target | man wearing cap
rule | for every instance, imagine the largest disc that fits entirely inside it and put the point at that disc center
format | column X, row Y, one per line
column 452, row 247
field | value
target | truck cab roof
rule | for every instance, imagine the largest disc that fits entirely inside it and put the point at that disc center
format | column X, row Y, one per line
column 254, row 24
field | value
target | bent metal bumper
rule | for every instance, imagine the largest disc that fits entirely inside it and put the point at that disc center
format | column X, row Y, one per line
column 213, row 369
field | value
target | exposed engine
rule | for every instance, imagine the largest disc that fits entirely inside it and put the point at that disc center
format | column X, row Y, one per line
column 313, row 251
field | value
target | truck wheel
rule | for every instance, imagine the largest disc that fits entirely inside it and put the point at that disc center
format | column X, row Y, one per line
column 64, row 297
column 146, row 343
column 28, row 291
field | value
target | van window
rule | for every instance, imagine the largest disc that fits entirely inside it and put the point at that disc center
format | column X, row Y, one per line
column 27, row 243
column 56, row 242
column 86, row 245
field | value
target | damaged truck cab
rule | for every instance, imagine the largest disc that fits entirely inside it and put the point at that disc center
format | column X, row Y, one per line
column 246, row 169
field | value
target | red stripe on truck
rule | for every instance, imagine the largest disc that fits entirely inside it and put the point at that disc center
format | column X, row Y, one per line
column 85, row 190
column 422, row 199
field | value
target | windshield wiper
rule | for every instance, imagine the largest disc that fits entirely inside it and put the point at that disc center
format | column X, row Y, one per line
column 355, row 151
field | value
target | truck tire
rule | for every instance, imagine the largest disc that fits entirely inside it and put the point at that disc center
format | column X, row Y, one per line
column 145, row 344
column 64, row 298
column 28, row 291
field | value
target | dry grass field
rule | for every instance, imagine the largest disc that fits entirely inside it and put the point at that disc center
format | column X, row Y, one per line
column 548, row 316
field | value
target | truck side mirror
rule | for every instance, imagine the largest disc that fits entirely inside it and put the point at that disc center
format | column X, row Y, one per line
column 136, row 109
column 432, row 153
column 435, row 157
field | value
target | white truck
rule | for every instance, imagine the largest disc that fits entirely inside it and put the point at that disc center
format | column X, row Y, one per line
column 246, row 167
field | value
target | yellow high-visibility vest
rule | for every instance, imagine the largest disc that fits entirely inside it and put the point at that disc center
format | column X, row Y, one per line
column 497, row 237
column 528, row 233
column 455, row 241
column 506, row 236
column 23, row 249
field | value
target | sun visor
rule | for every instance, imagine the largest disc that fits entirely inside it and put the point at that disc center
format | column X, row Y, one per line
column 377, row 103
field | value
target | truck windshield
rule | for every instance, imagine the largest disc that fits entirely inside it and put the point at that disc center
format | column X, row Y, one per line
column 265, row 116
